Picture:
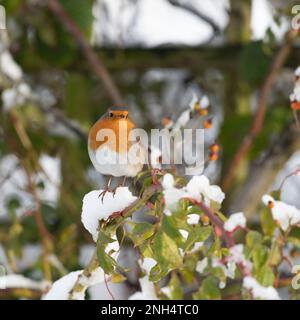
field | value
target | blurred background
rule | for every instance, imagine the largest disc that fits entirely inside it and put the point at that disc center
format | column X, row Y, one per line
column 63, row 63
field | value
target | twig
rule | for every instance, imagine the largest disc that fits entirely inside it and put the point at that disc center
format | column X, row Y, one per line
column 295, row 114
column 96, row 65
column 215, row 220
column 264, row 171
column 257, row 123
column 287, row 177
column 107, row 288
column 198, row 14
column 67, row 123
column 44, row 233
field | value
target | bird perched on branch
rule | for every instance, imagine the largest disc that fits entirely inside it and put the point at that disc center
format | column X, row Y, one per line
column 111, row 148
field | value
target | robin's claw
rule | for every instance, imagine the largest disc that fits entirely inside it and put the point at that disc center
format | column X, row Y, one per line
column 102, row 194
column 114, row 191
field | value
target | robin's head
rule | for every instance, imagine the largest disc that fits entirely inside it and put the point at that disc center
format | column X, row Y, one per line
column 117, row 113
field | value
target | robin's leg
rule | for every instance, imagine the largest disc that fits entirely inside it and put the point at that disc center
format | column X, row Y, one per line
column 106, row 189
column 119, row 185
column 124, row 181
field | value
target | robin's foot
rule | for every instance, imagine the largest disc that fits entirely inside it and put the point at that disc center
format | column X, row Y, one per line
column 114, row 190
column 154, row 173
column 103, row 193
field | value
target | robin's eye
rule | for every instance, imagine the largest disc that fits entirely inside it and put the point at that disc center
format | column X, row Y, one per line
column 111, row 114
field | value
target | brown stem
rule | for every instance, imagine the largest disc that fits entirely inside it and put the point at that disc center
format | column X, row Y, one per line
column 215, row 220
column 96, row 65
column 45, row 236
column 258, row 121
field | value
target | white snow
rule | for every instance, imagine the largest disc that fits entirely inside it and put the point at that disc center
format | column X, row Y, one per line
column 295, row 95
column 113, row 248
column 61, row 288
column 236, row 255
column 147, row 287
column 193, row 101
column 201, row 265
column 228, row 268
column 166, row 291
column 168, row 181
column 155, row 155
column 172, row 196
column 93, row 210
column 297, row 72
column 193, row 218
column 15, row 181
column 235, row 221
column 15, row 96
column 147, row 290
column 148, row 264
column 51, row 178
column 19, row 281
column 284, row 214
column 263, row 18
column 9, row 67
column 258, row 291
column 184, row 233
column 182, row 120
column 204, row 102
column 198, row 188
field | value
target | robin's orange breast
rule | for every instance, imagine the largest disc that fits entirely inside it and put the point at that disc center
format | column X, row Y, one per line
column 121, row 129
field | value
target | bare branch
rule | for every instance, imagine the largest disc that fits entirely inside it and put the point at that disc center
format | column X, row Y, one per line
column 257, row 123
column 264, row 171
column 198, row 14
column 96, row 65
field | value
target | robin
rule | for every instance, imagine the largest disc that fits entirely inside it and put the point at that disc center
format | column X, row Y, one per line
column 110, row 149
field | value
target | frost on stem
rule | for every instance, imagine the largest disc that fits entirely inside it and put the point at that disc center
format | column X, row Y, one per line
column 235, row 221
column 284, row 214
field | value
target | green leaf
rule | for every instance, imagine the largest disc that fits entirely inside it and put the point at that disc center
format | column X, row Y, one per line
column 176, row 292
column 215, row 248
column 170, row 227
column 260, row 256
column 141, row 232
column 158, row 272
column 166, row 251
column 265, row 276
column 103, row 239
column 117, row 278
column 209, row 290
column 295, row 241
column 275, row 255
column 267, row 222
column 105, row 261
column 253, row 238
column 197, row 234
